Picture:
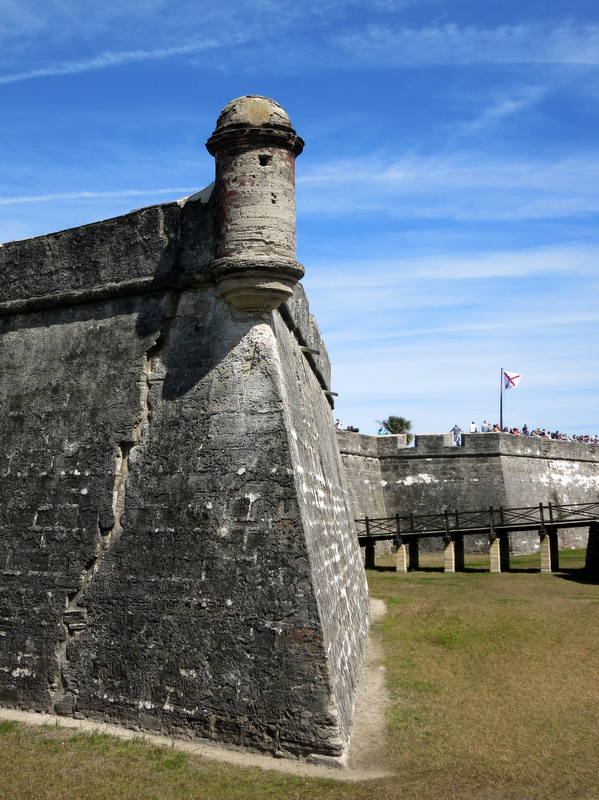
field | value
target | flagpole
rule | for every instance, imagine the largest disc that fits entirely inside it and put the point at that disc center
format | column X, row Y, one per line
column 501, row 403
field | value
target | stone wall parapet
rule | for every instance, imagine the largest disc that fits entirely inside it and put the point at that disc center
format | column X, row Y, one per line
column 357, row 444
column 175, row 510
column 473, row 444
column 507, row 444
column 432, row 442
column 391, row 445
column 159, row 247
column 488, row 469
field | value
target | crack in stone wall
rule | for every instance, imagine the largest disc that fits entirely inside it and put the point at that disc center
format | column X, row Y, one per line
column 74, row 618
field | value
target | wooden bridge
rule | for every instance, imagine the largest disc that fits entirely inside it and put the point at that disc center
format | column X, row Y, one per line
column 494, row 523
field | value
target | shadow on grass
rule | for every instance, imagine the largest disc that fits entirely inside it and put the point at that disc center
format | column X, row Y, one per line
column 469, row 570
column 578, row 574
column 523, row 570
column 393, row 569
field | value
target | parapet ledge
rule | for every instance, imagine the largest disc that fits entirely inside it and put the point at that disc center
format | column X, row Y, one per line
column 473, row 444
column 359, row 444
column 159, row 247
column 389, row 445
column 507, row 444
column 433, row 442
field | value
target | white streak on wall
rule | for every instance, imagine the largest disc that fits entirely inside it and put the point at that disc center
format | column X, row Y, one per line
column 422, row 477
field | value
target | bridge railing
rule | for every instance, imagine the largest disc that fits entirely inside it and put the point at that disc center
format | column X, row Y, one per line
column 487, row 520
column 574, row 511
column 522, row 516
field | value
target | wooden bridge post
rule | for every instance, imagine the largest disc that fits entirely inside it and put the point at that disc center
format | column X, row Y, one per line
column 448, row 547
column 458, row 544
column 448, row 555
column 414, row 553
column 545, row 552
column 495, row 544
column 369, row 550
column 504, row 552
column 500, row 544
column 549, row 543
column 554, row 548
column 401, row 554
column 591, row 564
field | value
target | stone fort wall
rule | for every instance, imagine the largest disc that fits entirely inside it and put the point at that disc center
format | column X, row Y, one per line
column 387, row 477
column 177, row 547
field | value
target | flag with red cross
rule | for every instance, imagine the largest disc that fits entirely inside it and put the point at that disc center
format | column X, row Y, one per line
column 510, row 379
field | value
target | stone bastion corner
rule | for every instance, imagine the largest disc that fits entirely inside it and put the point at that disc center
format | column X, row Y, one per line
column 177, row 545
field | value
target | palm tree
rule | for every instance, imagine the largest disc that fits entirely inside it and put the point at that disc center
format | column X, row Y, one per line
column 397, row 425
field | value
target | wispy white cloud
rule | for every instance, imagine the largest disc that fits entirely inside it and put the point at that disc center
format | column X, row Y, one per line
column 315, row 33
column 461, row 186
column 400, row 273
column 505, row 106
column 20, row 18
column 120, row 31
column 110, row 59
column 468, row 169
column 64, row 20
column 528, row 307
column 462, row 329
column 567, row 43
column 85, row 195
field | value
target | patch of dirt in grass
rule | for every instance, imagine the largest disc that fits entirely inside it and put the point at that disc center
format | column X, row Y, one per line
column 366, row 758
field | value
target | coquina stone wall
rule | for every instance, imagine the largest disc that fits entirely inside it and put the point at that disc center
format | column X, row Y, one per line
column 177, row 547
column 387, row 477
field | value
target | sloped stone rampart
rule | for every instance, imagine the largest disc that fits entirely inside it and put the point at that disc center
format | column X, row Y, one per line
column 177, row 549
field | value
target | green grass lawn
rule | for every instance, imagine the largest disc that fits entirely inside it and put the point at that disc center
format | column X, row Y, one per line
column 494, row 683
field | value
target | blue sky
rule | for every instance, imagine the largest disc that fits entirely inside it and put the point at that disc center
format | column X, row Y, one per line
column 448, row 194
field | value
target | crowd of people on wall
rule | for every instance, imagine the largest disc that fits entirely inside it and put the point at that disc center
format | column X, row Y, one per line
column 349, row 427
column 486, row 427
column 540, row 433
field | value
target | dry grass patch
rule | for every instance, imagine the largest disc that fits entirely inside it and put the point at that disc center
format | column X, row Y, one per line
column 53, row 763
column 494, row 680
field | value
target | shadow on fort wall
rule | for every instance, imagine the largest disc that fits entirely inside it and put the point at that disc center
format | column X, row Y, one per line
column 194, row 354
